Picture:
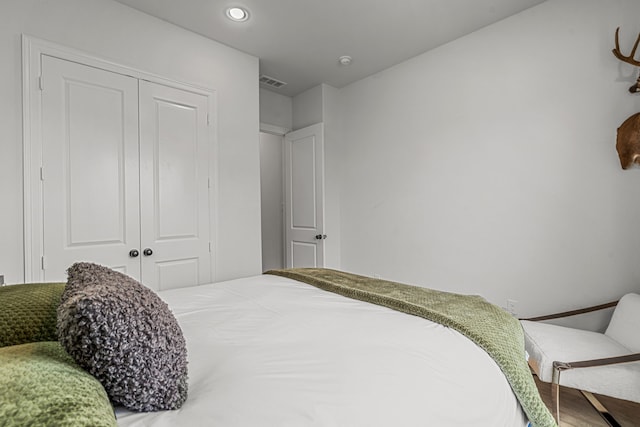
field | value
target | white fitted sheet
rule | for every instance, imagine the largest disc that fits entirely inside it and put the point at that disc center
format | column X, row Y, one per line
column 271, row 351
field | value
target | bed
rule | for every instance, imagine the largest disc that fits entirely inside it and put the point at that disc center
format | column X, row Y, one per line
column 273, row 351
column 299, row 347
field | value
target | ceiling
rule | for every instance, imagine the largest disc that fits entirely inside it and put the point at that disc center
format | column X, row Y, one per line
column 299, row 41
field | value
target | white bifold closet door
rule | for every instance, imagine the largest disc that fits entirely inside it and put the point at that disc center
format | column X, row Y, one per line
column 125, row 174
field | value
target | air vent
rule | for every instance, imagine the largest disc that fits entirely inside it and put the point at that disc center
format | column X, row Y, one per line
column 270, row 81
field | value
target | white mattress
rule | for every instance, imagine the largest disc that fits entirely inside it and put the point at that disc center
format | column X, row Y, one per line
column 270, row 351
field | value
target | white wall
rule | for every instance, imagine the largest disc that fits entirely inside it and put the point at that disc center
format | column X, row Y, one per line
column 276, row 109
column 115, row 32
column 307, row 108
column 333, row 158
column 488, row 165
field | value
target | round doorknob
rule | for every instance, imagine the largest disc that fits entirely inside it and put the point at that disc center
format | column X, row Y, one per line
column 147, row 251
column 321, row 236
column 133, row 253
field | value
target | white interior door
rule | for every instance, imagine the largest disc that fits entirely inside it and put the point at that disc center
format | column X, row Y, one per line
column 174, row 187
column 125, row 167
column 89, row 168
column 304, row 197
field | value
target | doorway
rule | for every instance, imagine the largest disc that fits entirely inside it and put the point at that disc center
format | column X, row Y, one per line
column 292, row 194
column 272, row 196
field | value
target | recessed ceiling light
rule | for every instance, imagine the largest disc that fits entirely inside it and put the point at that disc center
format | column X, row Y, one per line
column 237, row 14
column 345, row 60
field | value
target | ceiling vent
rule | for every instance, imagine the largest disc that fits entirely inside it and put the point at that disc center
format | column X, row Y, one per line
column 270, row 81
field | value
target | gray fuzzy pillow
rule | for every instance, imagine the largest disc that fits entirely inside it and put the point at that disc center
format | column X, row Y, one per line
column 123, row 334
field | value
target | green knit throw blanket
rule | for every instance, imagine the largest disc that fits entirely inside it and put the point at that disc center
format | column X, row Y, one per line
column 490, row 327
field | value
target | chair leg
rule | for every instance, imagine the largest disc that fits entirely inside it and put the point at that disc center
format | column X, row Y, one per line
column 555, row 394
column 598, row 406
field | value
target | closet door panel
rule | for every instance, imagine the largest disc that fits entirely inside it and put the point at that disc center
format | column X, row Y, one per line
column 90, row 168
column 174, row 177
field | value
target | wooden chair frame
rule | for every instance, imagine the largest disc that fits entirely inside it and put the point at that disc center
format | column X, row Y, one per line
column 559, row 366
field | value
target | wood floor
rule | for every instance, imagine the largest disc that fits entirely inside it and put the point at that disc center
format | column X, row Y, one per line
column 575, row 410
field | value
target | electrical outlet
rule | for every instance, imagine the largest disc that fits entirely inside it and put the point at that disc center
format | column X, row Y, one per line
column 511, row 306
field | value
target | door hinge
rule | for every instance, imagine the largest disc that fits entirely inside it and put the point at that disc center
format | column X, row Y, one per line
column 41, row 83
column 209, row 247
column 208, row 182
column 208, row 119
column 41, row 173
column 43, row 262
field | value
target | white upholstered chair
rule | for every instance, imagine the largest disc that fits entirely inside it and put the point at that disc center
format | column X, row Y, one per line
column 604, row 363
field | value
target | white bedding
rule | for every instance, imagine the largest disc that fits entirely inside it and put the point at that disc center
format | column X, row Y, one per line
column 270, row 351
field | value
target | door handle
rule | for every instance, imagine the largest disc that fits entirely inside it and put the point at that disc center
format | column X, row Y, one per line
column 133, row 253
column 147, row 252
column 321, row 236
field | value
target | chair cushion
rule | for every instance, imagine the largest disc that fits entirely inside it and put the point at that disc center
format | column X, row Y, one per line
column 625, row 322
column 547, row 343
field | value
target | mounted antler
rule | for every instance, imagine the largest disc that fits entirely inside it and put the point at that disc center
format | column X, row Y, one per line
column 628, row 59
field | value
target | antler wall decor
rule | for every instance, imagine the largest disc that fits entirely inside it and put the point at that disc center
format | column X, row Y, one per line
column 628, row 142
column 628, row 59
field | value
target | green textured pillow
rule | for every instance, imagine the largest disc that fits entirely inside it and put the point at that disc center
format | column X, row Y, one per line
column 28, row 312
column 40, row 385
